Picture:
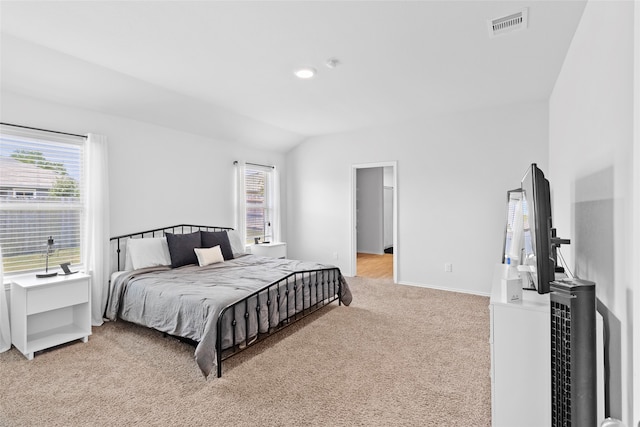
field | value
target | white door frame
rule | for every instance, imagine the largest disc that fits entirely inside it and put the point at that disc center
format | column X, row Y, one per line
column 635, row 275
column 354, row 220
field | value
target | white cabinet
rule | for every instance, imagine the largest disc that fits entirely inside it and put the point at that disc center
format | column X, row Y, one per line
column 520, row 359
column 273, row 250
column 520, row 340
column 50, row 311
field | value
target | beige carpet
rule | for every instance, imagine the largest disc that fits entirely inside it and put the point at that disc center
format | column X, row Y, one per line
column 398, row 355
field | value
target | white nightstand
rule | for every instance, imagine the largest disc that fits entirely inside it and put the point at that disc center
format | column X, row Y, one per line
column 273, row 249
column 49, row 312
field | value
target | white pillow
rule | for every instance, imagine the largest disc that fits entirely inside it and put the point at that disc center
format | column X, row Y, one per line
column 128, row 265
column 148, row 252
column 208, row 256
column 236, row 242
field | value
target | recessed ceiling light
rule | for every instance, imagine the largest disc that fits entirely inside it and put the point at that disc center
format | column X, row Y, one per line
column 304, row 72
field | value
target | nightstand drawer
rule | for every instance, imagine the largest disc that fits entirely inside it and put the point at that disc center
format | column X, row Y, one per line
column 47, row 298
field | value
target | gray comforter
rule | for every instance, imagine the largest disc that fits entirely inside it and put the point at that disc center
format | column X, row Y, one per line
column 186, row 301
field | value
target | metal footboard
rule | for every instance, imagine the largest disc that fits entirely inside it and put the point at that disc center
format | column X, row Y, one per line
column 274, row 307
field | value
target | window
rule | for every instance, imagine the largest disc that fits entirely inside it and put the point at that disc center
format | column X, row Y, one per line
column 41, row 195
column 260, row 206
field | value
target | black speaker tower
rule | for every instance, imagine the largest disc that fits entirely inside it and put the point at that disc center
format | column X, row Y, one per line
column 573, row 353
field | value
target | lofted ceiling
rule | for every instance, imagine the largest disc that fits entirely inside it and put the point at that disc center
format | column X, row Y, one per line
column 224, row 69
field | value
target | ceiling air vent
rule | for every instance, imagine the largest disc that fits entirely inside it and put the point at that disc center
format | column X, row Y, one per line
column 508, row 24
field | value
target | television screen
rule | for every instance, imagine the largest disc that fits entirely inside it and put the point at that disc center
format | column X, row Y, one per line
column 537, row 220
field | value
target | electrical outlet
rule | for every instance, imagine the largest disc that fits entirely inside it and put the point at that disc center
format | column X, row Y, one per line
column 448, row 267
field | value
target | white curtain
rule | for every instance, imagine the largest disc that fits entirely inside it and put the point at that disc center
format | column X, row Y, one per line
column 5, row 330
column 96, row 233
column 276, row 205
column 241, row 203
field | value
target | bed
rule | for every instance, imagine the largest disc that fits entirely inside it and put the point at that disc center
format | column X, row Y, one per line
column 222, row 299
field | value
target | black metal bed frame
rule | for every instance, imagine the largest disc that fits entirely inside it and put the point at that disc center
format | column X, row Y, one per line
column 288, row 291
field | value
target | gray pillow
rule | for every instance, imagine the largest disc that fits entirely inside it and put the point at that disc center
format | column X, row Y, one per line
column 181, row 248
column 217, row 238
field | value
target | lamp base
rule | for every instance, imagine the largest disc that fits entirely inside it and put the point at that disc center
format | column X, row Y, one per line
column 43, row 275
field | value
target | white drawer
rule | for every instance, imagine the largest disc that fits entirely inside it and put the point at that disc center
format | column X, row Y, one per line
column 47, row 298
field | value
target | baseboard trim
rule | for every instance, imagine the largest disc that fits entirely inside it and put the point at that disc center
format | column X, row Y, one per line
column 442, row 288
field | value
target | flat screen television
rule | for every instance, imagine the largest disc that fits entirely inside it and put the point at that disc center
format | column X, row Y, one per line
column 538, row 228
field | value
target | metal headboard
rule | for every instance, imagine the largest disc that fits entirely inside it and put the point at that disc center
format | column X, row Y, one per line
column 118, row 241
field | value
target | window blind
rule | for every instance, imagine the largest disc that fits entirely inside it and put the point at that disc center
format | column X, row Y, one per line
column 41, row 195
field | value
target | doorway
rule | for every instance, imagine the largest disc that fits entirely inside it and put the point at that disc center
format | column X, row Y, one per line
column 374, row 246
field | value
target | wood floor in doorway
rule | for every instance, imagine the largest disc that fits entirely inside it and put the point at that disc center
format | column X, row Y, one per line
column 375, row 266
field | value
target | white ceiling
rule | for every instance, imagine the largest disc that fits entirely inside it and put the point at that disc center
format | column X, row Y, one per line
column 224, row 69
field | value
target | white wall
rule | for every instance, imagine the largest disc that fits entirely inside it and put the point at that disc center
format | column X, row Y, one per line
column 453, row 174
column 370, row 210
column 158, row 176
column 591, row 121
